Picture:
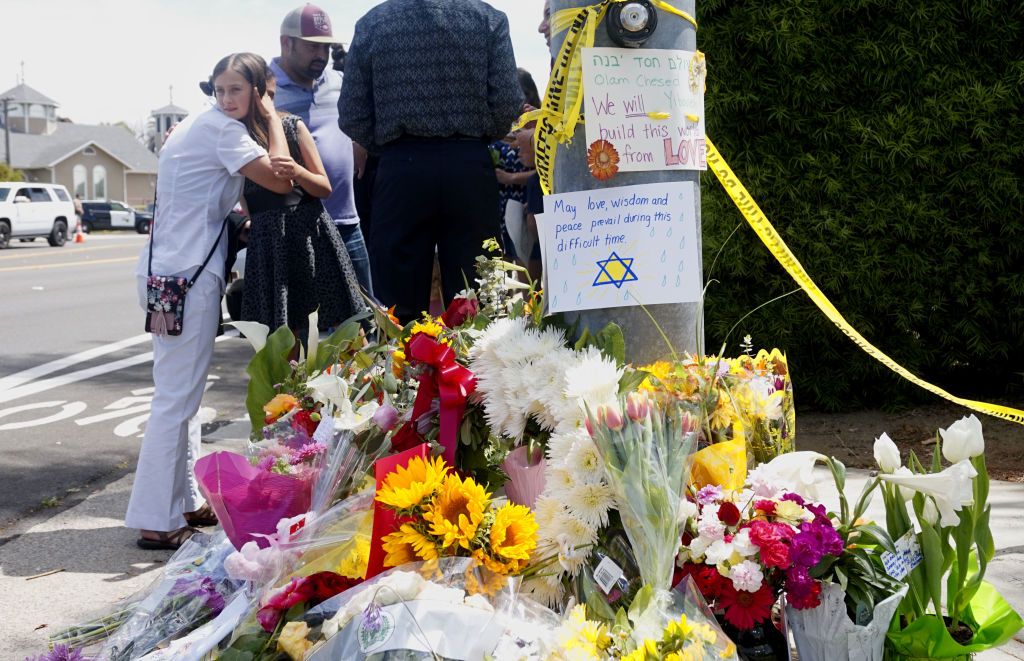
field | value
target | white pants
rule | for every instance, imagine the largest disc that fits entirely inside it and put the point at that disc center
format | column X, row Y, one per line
column 165, row 485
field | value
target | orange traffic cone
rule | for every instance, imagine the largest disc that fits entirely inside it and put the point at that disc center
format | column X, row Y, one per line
column 79, row 235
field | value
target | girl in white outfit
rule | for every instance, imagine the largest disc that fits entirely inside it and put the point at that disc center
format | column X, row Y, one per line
column 202, row 168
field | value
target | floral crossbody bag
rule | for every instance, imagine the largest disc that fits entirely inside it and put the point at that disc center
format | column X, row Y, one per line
column 165, row 294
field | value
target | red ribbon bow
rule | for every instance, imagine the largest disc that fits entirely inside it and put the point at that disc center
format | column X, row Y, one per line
column 444, row 379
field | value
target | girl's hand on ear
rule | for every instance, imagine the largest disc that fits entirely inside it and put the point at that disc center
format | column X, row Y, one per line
column 266, row 105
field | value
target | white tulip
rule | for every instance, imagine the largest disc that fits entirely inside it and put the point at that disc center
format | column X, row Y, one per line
column 907, row 494
column 887, row 455
column 952, row 489
column 963, row 440
column 929, row 512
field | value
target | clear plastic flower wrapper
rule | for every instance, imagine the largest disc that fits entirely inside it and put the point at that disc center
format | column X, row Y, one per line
column 193, row 589
column 658, row 626
column 646, row 448
column 452, row 608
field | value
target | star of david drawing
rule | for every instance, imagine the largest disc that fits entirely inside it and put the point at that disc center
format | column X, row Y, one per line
column 615, row 271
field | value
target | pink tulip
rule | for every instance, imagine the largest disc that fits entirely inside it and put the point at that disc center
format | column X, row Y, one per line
column 638, row 407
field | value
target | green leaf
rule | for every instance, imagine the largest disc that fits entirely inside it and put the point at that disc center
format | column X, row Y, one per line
column 612, row 343
column 631, row 380
column 877, row 535
column 931, row 547
column 266, row 369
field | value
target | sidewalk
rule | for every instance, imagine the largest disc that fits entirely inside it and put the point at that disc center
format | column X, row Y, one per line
column 97, row 563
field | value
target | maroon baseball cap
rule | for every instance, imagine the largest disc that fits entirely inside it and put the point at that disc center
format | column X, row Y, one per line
column 310, row 23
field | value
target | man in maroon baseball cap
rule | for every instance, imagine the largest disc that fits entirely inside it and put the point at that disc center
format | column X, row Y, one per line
column 306, row 40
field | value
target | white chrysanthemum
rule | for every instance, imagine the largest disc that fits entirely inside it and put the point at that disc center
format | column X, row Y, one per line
column 497, row 333
column 584, row 460
column 546, row 589
column 577, row 530
column 591, row 502
column 559, row 447
column 558, row 483
column 570, row 557
column 594, row 380
column 546, row 510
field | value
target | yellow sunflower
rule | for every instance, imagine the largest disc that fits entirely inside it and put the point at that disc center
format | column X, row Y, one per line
column 514, row 533
column 406, row 488
column 407, row 545
column 456, row 511
column 496, row 566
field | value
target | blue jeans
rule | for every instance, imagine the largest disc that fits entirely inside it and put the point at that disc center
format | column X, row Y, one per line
column 353, row 238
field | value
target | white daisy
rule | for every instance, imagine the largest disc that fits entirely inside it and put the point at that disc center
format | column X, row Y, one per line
column 546, row 589
column 591, row 502
column 559, row 447
column 584, row 460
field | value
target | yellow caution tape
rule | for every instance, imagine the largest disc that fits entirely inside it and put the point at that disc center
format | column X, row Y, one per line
column 768, row 234
column 560, row 111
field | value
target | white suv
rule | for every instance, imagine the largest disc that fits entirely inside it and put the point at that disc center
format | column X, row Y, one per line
column 30, row 210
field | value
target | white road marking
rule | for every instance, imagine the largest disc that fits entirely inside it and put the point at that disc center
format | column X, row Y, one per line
column 67, row 411
column 80, row 375
column 111, row 415
column 19, row 378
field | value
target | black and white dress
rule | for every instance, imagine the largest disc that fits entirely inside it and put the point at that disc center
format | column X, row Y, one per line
column 296, row 261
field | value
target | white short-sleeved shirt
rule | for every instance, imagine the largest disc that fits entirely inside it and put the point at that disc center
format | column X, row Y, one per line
column 198, row 184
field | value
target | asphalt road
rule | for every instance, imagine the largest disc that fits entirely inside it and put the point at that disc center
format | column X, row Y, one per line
column 75, row 372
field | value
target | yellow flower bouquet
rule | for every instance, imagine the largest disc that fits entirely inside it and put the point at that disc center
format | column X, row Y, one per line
column 444, row 515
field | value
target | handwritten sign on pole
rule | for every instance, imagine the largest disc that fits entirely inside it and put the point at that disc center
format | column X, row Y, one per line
column 648, row 104
column 616, row 247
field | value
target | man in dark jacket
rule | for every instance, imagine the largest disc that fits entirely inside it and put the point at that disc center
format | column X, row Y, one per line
column 428, row 84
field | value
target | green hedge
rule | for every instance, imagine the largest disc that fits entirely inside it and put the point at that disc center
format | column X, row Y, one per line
column 884, row 140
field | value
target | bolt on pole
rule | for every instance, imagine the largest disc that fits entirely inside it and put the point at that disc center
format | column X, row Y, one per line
column 682, row 323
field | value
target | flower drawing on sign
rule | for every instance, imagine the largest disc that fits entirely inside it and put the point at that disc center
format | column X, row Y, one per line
column 603, row 160
column 615, row 271
column 698, row 72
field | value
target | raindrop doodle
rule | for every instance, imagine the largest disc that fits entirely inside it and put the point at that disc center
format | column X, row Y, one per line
column 652, row 231
column 579, row 298
column 664, row 280
column 565, row 287
column 679, row 280
column 668, row 234
column 682, row 244
column 556, row 263
column 625, row 296
column 664, row 256
column 574, row 260
column 682, row 265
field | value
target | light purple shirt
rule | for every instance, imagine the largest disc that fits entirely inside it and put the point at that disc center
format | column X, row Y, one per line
column 318, row 109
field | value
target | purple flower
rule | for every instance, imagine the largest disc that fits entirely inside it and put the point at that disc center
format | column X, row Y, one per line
column 266, row 463
column 386, row 417
column 307, row 452
column 709, row 494
column 59, row 653
column 813, row 542
column 796, row 498
column 204, row 590
column 820, row 514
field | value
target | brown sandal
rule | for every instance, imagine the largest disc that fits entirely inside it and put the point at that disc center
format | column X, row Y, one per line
column 166, row 541
column 202, row 517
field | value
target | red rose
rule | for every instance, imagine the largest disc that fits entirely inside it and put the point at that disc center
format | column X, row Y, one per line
column 303, row 421
column 728, row 514
column 459, row 310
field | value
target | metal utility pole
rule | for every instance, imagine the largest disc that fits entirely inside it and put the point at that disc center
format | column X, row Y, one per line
column 682, row 323
column 7, row 134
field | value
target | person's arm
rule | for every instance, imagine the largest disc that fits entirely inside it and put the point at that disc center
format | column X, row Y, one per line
column 261, row 170
column 506, row 178
column 359, row 158
column 312, row 178
column 356, row 115
column 504, row 96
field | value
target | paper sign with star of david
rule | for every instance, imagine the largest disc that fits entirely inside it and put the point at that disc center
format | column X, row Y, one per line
column 619, row 247
column 615, row 271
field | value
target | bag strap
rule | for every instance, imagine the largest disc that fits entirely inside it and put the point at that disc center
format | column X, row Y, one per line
column 209, row 256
